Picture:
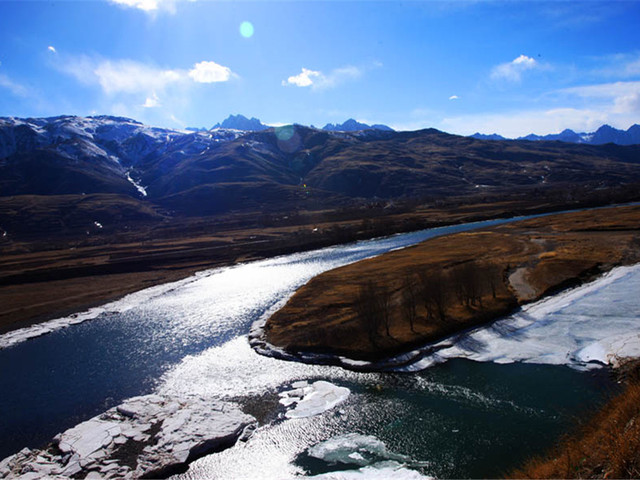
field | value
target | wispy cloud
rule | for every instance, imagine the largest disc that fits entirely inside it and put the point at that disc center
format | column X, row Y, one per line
column 317, row 80
column 14, row 87
column 512, row 71
column 619, row 66
column 142, row 90
column 522, row 122
column 454, row 97
column 52, row 49
column 617, row 97
column 125, row 76
column 131, row 77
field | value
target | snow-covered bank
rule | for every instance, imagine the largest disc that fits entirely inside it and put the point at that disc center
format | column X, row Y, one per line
column 592, row 325
column 144, row 436
column 122, row 305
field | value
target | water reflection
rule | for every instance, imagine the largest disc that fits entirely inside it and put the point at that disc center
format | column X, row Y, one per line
column 53, row 382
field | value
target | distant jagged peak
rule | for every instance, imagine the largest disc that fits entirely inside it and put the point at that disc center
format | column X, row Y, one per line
column 604, row 134
column 490, row 136
column 352, row 125
column 240, row 122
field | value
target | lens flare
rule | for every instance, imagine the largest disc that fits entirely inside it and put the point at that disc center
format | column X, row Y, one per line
column 246, row 29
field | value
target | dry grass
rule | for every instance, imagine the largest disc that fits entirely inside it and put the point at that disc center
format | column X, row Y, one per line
column 608, row 446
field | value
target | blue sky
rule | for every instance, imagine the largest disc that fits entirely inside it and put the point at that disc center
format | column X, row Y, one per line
column 508, row 67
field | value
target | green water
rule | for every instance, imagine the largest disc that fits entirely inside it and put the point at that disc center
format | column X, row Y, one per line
column 468, row 419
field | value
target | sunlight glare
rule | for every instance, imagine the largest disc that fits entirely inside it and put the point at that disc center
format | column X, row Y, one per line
column 246, row 29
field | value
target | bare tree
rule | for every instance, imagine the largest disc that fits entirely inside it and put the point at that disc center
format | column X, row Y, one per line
column 384, row 306
column 434, row 294
column 468, row 284
column 492, row 275
column 373, row 308
column 409, row 300
column 366, row 308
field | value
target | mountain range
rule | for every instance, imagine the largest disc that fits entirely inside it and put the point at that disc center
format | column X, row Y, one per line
column 604, row 134
column 240, row 122
column 110, row 170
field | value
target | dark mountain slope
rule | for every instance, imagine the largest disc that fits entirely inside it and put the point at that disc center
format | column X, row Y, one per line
column 288, row 168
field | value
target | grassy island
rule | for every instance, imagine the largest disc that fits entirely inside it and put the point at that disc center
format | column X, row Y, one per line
column 388, row 304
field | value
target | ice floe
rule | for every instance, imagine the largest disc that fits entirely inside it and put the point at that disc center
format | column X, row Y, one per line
column 354, row 449
column 382, row 471
column 366, row 452
column 312, row 399
column 148, row 436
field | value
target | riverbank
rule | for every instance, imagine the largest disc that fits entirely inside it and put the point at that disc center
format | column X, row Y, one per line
column 450, row 284
column 40, row 281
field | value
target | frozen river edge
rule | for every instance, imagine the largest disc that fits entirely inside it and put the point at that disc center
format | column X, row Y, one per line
column 501, row 341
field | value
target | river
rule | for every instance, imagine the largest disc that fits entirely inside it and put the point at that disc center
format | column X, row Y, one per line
column 459, row 419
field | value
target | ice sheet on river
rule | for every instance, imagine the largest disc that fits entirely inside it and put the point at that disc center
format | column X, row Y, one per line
column 144, row 436
column 595, row 324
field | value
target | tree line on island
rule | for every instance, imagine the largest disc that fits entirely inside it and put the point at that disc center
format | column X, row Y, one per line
column 429, row 298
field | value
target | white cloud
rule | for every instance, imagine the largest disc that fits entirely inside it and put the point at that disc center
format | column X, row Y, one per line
column 454, row 97
column 51, row 48
column 146, row 5
column 149, row 6
column 152, row 102
column 209, row 72
column 512, row 71
column 303, row 79
column 318, row 80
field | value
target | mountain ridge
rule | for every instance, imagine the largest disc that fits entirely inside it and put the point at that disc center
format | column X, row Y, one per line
column 223, row 171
